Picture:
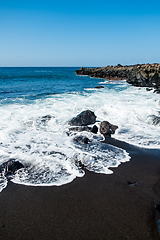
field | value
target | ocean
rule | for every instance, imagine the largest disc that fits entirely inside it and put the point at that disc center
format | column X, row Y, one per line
column 35, row 107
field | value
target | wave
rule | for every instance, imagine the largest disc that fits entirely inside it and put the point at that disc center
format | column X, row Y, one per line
column 49, row 155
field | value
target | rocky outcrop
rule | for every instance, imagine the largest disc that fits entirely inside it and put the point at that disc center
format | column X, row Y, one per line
column 106, row 128
column 142, row 75
column 83, row 119
column 145, row 75
column 87, row 117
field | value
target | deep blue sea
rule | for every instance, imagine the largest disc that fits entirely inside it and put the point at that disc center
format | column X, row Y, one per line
column 35, row 83
column 44, row 147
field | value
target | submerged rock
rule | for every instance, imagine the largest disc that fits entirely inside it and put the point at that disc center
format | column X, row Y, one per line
column 93, row 129
column 79, row 164
column 81, row 139
column 149, row 89
column 155, row 120
column 46, row 117
column 10, row 167
column 80, row 129
column 157, row 90
column 99, row 87
column 107, row 128
column 83, row 119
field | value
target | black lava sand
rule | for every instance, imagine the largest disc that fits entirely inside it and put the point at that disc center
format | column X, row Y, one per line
column 120, row 206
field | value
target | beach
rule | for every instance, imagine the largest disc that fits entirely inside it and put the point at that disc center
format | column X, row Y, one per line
column 79, row 120
column 122, row 205
column 34, row 132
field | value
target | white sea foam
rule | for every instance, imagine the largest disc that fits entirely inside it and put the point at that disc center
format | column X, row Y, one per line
column 49, row 155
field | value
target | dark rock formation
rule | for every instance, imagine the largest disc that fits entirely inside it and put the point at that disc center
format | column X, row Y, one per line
column 149, row 89
column 81, row 139
column 142, row 75
column 157, row 90
column 107, row 128
column 80, row 129
column 10, row 167
column 55, row 152
column 94, row 129
column 46, row 117
column 83, row 119
column 155, row 120
column 79, row 164
column 145, row 75
column 109, row 72
column 99, row 87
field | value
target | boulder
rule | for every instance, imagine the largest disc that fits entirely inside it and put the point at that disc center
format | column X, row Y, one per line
column 107, row 128
column 83, row 119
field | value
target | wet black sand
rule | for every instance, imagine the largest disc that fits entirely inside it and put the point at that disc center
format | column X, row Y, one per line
column 111, row 207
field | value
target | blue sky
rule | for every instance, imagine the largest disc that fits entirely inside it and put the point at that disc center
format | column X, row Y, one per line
column 79, row 33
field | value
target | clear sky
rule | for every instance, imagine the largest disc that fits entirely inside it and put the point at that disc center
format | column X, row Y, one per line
column 79, row 33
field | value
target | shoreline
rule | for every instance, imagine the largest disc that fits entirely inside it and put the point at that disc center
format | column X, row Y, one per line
column 139, row 75
column 122, row 205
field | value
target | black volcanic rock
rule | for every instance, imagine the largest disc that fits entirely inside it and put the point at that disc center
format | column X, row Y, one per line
column 141, row 75
column 93, row 129
column 107, row 128
column 83, row 119
column 98, row 87
column 81, row 139
column 155, row 120
column 10, row 167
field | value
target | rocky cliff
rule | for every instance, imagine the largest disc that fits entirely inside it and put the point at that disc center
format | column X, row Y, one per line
column 143, row 75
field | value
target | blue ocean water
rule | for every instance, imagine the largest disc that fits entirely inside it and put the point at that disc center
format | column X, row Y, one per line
column 45, row 147
column 34, row 82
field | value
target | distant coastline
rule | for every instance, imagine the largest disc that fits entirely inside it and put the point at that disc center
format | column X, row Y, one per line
column 140, row 75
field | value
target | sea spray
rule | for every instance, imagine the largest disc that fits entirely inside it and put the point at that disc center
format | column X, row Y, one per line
column 42, row 144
